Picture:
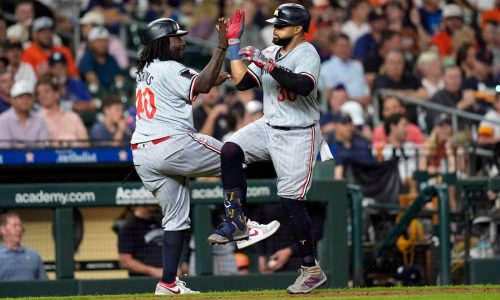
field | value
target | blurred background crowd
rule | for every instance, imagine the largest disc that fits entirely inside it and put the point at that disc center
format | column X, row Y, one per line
column 416, row 80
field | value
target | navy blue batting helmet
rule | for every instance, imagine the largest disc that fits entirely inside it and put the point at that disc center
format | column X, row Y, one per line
column 291, row 14
column 161, row 28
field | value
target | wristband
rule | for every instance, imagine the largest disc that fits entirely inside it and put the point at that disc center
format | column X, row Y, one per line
column 233, row 52
column 222, row 48
column 233, row 41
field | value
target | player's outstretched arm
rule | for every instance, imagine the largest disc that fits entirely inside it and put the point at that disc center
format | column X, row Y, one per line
column 235, row 28
column 208, row 77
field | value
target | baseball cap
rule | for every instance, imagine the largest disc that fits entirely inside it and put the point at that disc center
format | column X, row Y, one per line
column 253, row 106
column 452, row 11
column 98, row 32
column 11, row 44
column 93, row 17
column 375, row 14
column 485, row 56
column 355, row 111
column 57, row 57
column 22, row 87
column 42, row 23
column 442, row 119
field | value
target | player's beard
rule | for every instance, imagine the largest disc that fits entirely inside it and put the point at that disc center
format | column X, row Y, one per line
column 283, row 42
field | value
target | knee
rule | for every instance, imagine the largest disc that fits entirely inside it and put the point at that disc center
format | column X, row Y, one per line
column 231, row 152
column 292, row 207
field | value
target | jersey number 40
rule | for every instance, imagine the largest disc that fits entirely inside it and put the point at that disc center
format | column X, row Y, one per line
column 145, row 103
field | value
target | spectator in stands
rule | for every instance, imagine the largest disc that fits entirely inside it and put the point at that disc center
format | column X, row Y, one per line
column 391, row 40
column 395, row 78
column 348, row 144
column 6, row 83
column 252, row 35
column 113, row 130
column 356, row 26
column 489, row 129
column 492, row 14
column 396, row 130
column 482, row 79
column 140, row 243
column 98, row 68
column 321, row 41
column 3, row 30
column 20, row 126
column 431, row 71
column 22, row 71
column 395, row 14
column 210, row 117
column 391, row 105
column 115, row 45
column 452, row 22
column 368, row 44
column 66, row 129
column 37, row 54
column 16, row 261
column 24, row 13
column 487, row 38
column 336, row 98
column 430, row 16
column 452, row 96
column 114, row 12
column 466, row 57
column 74, row 93
column 355, row 111
column 341, row 69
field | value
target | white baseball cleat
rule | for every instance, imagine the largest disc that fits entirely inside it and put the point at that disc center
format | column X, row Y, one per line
column 258, row 232
column 176, row 288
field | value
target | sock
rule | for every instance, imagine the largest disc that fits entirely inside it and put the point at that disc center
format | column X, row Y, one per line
column 232, row 172
column 301, row 228
column 172, row 248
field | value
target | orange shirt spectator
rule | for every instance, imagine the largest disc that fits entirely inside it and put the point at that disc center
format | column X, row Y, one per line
column 492, row 14
column 38, row 53
column 413, row 135
column 453, row 21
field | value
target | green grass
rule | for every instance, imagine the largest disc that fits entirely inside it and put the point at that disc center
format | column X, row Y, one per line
column 474, row 292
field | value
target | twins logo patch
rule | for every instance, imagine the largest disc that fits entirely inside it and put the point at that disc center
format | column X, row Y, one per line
column 186, row 73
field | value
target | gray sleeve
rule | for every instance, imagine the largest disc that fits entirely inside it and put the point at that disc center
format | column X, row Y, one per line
column 181, row 81
column 308, row 63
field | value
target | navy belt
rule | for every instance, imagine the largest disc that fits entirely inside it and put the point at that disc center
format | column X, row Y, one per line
column 286, row 128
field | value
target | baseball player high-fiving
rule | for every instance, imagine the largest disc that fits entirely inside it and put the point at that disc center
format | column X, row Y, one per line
column 166, row 149
column 288, row 134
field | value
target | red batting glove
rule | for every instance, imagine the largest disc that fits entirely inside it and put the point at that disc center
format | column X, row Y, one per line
column 235, row 27
column 254, row 55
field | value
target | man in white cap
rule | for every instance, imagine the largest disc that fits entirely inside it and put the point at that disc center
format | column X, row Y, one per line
column 22, row 127
column 452, row 21
column 98, row 68
column 115, row 46
column 37, row 54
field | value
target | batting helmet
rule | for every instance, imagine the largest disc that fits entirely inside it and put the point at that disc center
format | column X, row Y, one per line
column 160, row 28
column 291, row 14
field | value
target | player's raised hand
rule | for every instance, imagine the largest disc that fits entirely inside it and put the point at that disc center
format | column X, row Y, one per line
column 235, row 27
column 222, row 30
column 254, row 55
column 223, row 76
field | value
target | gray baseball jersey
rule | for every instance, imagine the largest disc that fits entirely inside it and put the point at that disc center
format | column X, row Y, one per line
column 281, row 106
column 163, row 99
column 293, row 151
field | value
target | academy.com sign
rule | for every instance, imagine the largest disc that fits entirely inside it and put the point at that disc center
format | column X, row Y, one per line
column 128, row 196
column 43, row 197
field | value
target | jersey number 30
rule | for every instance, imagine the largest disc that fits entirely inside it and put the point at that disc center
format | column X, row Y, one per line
column 285, row 94
column 145, row 103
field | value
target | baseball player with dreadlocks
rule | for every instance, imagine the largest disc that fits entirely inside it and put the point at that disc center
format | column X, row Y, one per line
column 288, row 134
column 167, row 151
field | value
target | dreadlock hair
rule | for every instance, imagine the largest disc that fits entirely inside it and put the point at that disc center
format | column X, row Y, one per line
column 159, row 48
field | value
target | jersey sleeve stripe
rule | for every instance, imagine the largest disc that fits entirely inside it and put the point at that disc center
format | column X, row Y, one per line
column 254, row 77
column 192, row 96
column 207, row 145
column 310, row 76
column 311, row 158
